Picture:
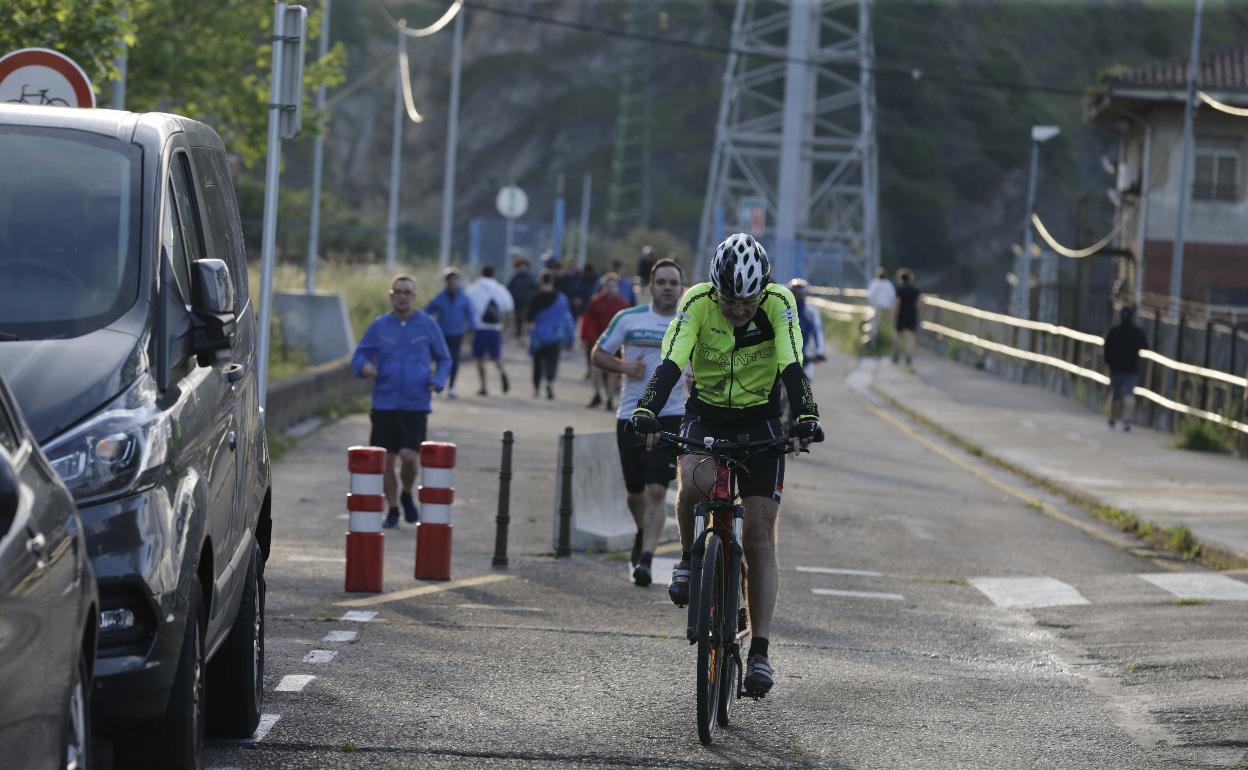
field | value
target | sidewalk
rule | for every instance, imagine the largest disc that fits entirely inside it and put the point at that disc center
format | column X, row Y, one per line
column 1068, row 448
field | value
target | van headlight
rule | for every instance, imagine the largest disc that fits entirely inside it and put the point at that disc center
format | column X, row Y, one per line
column 117, row 450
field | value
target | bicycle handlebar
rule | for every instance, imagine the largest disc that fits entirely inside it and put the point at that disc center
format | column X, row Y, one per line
column 723, row 446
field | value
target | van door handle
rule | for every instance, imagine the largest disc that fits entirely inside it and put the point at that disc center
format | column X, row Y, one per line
column 35, row 546
column 232, row 439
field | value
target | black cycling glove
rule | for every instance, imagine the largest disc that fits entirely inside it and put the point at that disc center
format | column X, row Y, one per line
column 808, row 429
column 643, row 424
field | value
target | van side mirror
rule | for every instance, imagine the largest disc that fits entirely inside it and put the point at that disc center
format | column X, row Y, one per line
column 213, row 309
column 8, row 495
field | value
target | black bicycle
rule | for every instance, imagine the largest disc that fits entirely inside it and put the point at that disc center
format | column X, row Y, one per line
column 43, row 98
column 717, row 618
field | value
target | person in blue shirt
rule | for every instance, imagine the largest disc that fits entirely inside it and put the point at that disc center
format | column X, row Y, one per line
column 454, row 314
column 406, row 356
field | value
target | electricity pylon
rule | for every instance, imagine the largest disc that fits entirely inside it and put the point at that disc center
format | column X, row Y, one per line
column 628, row 199
column 795, row 139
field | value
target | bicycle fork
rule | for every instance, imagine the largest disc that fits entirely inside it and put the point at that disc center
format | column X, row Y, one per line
column 728, row 614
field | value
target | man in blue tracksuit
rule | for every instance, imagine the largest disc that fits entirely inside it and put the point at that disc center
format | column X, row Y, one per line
column 405, row 354
column 454, row 313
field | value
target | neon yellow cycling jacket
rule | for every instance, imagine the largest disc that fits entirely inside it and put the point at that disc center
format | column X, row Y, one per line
column 736, row 370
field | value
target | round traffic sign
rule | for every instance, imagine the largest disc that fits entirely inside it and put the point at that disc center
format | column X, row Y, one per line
column 44, row 76
column 512, row 202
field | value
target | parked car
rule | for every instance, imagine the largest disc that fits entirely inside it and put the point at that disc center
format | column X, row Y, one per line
column 48, row 609
column 128, row 338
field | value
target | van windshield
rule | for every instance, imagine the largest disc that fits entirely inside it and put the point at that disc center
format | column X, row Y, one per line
column 69, row 232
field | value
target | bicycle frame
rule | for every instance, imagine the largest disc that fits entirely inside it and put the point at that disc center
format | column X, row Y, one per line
column 727, row 522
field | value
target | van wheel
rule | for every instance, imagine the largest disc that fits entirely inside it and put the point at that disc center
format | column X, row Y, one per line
column 76, row 723
column 175, row 741
column 236, row 673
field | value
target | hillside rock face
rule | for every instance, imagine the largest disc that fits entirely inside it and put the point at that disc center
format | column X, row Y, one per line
column 540, row 100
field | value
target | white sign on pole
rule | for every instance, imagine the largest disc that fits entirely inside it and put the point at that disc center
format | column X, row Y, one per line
column 512, row 202
column 46, row 77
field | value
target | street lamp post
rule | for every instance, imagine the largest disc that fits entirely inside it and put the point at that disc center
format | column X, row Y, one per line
column 1022, row 296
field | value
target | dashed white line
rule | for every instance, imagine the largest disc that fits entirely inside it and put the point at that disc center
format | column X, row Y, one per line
column 266, row 723
column 1028, row 592
column 499, row 607
column 339, row 636
column 838, row 571
column 1199, row 585
column 359, row 616
column 293, row 682
column 320, row 656
column 858, row 594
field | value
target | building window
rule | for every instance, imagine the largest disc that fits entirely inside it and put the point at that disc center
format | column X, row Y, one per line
column 1217, row 169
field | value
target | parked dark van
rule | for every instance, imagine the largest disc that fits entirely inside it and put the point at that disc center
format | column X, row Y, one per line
column 48, row 609
column 128, row 339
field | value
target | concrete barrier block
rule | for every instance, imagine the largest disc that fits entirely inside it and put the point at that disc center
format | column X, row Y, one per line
column 316, row 322
column 600, row 517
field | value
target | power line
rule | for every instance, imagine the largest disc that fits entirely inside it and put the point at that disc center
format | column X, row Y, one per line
column 895, row 71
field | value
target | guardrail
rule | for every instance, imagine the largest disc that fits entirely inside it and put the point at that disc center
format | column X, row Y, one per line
column 1066, row 359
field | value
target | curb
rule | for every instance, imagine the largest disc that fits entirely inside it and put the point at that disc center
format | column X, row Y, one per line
column 1213, row 556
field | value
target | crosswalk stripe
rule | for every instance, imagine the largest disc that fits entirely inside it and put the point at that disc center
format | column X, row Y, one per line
column 293, row 682
column 1028, row 592
column 857, row 594
column 320, row 656
column 838, row 571
column 1199, row 585
column 339, row 636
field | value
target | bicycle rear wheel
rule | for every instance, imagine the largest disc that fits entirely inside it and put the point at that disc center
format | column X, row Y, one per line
column 710, row 645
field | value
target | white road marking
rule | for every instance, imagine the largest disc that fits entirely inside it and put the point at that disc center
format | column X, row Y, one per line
column 339, row 636
column 838, row 571
column 359, row 616
column 1028, row 592
column 266, row 723
column 1200, row 585
column 499, row 607
column 336, row 559
column 293, row 682
column 858, row 594
column 320, row 656
column 661, row 570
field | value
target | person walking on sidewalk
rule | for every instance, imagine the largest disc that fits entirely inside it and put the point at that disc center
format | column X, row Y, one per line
column 598, row 314
column 906, row 315
column 811, row 324
column 1122, row 349
column 636, row 333
column 405, row 355
column 880, row 296
column 454, row 315
column 491, row 302
column 522, row 287
column 550, row 327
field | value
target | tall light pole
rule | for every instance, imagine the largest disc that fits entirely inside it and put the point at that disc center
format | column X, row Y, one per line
column 1176, row 261
column 318, row 159
column 452, row 145
column 1022, row 297
column 396, row 149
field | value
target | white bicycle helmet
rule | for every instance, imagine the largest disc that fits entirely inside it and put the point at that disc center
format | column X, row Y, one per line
column 740, row 269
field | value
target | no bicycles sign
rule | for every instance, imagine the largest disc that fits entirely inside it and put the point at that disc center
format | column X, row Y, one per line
column 44, row 76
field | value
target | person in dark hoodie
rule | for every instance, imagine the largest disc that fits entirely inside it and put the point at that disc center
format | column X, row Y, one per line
column 1122, row 349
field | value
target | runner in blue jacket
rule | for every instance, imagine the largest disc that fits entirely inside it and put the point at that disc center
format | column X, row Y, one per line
column 405, row 354
column 454, row 313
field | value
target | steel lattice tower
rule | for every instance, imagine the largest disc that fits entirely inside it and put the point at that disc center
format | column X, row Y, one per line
column 628, row 199
column 796, row 131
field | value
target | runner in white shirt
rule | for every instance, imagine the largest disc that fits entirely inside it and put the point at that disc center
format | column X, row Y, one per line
column 880, row 295
column 491, row 302
column 638, row 332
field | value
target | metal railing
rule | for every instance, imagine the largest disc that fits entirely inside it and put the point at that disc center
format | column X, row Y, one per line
column 1065, row 359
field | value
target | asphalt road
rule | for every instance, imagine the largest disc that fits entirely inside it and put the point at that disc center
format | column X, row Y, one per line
column 905, row 634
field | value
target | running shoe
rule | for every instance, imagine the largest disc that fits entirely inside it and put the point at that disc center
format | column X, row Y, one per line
column 392, row 519
column 758, row 676
column 641, row 575
column 678, row 590
column 409, row 508
column 506, row 382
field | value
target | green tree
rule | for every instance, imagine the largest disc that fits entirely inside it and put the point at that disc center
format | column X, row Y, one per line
column 89, row 33
column 210, row 61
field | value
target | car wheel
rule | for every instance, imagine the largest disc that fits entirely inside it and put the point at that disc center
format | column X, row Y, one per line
column 76, row 723
column 236, row 673
column 175, row 741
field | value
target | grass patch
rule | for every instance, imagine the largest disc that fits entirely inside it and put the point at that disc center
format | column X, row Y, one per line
column 1180, row 540
column 1177, row 538
column 953, row 349
column 1035, row 505
column 618, row 556
column 1197, row 435
column 1188, row 602
column 1127, row 522
column 335, row 412
column 279, row 445
column 349, row 747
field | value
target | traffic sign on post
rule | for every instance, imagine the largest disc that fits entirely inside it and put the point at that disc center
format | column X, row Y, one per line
column 512, row 202
column 43, row 76
column 294, row 32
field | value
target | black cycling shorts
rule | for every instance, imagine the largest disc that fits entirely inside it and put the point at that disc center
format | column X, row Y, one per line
column 642, row 467
column 396, row 429
column 763, row 474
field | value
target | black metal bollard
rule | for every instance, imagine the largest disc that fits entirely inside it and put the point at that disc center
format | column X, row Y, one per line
column 565, row 498
column 504, row 503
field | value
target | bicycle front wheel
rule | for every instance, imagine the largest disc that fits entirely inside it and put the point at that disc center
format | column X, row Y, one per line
column 711, row 649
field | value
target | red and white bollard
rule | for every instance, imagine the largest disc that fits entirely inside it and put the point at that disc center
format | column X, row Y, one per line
column 436, row 492
column 366, row 505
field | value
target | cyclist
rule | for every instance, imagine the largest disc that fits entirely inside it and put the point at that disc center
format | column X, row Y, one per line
column 742, row 334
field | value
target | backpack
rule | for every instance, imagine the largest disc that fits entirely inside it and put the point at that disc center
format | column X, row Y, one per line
column 491, row 315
